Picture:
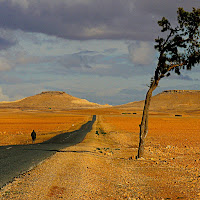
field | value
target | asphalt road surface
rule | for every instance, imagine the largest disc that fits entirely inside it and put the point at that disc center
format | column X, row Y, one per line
column 17, row 159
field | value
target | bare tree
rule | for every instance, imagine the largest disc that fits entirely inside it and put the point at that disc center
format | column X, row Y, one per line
column 179, row 50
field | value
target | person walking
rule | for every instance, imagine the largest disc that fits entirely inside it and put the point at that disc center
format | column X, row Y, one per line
column 33, row 135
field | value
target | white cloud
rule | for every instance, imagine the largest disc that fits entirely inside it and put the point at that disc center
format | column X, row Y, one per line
column 5, row 64
column 18, row 59
column 142, row 53
column 25, row 59
column 36, row 44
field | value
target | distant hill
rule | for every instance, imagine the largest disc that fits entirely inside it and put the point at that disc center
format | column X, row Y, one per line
column 170, row 100
column 51, row 100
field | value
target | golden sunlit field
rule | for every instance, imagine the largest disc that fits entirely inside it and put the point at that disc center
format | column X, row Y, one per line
column 105, row 162
column 16, row 127
column 165, row 129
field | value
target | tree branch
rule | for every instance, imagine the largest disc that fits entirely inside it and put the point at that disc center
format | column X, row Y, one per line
column 169, row 69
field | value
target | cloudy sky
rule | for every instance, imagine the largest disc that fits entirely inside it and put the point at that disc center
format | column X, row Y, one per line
column 100, row 50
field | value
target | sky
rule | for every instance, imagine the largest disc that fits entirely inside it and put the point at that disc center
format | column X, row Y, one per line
column 99, row 50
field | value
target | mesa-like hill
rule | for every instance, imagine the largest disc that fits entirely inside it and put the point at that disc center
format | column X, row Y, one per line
column 51, row 100
column 170, row 100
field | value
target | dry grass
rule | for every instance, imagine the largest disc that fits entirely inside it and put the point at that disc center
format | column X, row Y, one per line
column 177, row 131
column 16, row 127
column 100, row 168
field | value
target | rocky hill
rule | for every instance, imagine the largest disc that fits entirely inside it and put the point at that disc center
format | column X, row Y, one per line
column 51, row 100
column 170, row 100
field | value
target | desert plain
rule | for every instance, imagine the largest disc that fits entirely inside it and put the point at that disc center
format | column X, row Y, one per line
column 103, row 166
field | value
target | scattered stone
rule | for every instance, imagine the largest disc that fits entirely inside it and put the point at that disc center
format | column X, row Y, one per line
column 141, row 158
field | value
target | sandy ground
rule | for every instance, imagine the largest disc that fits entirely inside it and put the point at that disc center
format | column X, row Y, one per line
column 100, row 168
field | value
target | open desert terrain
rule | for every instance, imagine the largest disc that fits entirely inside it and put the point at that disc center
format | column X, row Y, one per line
column 103, row 166
column 16, row 126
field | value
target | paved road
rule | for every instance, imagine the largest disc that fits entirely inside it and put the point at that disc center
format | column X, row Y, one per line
column 17, row 159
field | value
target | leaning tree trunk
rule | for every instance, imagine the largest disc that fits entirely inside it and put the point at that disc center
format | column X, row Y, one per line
column 144, row 122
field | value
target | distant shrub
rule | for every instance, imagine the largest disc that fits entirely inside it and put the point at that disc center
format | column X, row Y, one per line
column 97, row 132
column 178, row 115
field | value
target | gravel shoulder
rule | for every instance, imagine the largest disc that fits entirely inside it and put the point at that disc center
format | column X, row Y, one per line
column 100, row 168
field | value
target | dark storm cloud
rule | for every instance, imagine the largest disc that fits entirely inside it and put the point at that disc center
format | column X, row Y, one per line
column 4, row 43
column 88, row 19
column 166, row 8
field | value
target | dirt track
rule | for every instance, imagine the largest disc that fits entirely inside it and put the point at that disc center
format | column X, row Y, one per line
column 100, row 168
column 20, row 158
